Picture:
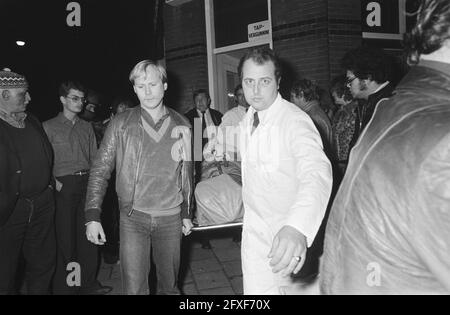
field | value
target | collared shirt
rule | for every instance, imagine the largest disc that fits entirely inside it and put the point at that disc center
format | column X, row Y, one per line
column 14, row 119
column 286, row 174
column 74, row 144
column 286, row 180
column 210, row 127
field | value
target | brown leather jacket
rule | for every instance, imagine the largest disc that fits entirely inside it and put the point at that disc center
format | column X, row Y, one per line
column 120, row 149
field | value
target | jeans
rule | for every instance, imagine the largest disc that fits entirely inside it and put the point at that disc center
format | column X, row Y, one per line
column 29, row 231
column 140, row 233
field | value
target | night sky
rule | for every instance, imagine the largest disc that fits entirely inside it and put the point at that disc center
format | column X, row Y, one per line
column 112, row 38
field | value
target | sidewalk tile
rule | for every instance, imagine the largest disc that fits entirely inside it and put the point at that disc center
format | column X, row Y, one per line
column 233, row 268
column 205, row 265
column 211, row 280
column 228, row 254
column 200, row 254
column 189, row 289
column 236, row 283
column 218, row 291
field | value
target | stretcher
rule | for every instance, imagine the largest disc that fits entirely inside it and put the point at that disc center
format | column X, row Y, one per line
column 198, row 228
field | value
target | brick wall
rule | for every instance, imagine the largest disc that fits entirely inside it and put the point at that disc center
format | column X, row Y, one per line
column 186, row 58
column 344, row 18
column 310, row 36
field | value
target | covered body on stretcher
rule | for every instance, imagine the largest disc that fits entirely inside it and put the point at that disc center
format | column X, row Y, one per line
column 219, row 196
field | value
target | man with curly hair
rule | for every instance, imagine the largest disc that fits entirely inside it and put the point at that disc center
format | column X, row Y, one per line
column 368, row 78
column 389, row 228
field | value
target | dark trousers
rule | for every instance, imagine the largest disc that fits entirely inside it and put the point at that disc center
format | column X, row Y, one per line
column 29, row 231
column 73, row 246
column 140, row 235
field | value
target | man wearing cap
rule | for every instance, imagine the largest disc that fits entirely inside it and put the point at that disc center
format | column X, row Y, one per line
column 74, row 144
column 26, row 193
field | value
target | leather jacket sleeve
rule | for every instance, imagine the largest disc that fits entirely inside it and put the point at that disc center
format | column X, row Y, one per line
column 100, row 173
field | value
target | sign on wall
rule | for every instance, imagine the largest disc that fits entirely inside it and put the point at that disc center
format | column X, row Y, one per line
column 383, row 19
column 259, row 31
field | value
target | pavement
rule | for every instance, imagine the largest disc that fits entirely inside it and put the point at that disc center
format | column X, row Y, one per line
column 215, row 271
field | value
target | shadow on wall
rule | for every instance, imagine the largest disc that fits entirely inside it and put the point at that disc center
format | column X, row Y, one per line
column 288, row 76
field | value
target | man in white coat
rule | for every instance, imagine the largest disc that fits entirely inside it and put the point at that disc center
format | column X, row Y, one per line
column 286, row 176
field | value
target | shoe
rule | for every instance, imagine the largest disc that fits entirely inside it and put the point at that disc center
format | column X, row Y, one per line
column 206, row 244
column 97, row 290
column 110, row 259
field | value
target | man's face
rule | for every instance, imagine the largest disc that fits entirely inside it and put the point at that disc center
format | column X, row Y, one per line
column 297, row 100
column 357, row 87
column 240, row 98
column 74, row 101
column 259, row 84
column 150, row 89
column 201, row 102
column 15, row 100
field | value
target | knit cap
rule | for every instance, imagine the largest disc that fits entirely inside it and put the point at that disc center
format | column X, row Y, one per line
column 12, row 80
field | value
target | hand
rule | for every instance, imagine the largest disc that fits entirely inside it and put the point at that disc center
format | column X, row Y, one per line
column 187, row 226
column 288, row 244
column 94, row 230
column 58, row 185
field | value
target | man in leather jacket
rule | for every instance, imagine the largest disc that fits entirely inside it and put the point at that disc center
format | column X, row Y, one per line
column 389, row 228
column 149, row 146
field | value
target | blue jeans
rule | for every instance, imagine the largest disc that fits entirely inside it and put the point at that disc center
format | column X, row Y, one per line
column 140, row 233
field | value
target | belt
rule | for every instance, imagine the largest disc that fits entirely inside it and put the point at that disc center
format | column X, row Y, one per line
column 81, row 173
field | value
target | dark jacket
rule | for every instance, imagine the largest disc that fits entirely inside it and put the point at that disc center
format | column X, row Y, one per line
column 10, row 167
column 215, row 115
column 389, row 227
column 120, row 149
column 366, row 109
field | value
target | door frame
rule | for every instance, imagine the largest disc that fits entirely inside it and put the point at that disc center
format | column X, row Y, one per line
column 212, row 52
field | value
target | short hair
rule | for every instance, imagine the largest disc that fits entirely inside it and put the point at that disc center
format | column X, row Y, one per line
column 141, row 69
column 200, row 91
column 432, row 29
column 339, row 86
column 121, row 100
column 306, row 89
column 237, row 88
column 261, row 56
column 368, row 63
column 66, row 86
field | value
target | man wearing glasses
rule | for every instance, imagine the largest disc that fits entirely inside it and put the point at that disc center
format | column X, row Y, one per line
column 368, row 77
column 74, row 144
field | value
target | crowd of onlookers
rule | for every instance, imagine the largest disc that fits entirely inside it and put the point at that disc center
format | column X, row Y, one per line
column 354, row 200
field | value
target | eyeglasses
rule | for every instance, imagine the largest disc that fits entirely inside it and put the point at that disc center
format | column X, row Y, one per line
column 77, row 99
column 349, row 81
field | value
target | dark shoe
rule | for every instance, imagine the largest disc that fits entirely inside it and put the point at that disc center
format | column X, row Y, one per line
column 110, row 259
column 206, row 244
column 97, row 290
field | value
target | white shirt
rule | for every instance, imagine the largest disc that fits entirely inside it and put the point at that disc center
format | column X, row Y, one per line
column 234, row 116
column 286, row 179
column 210, row 127
column 286, row 175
